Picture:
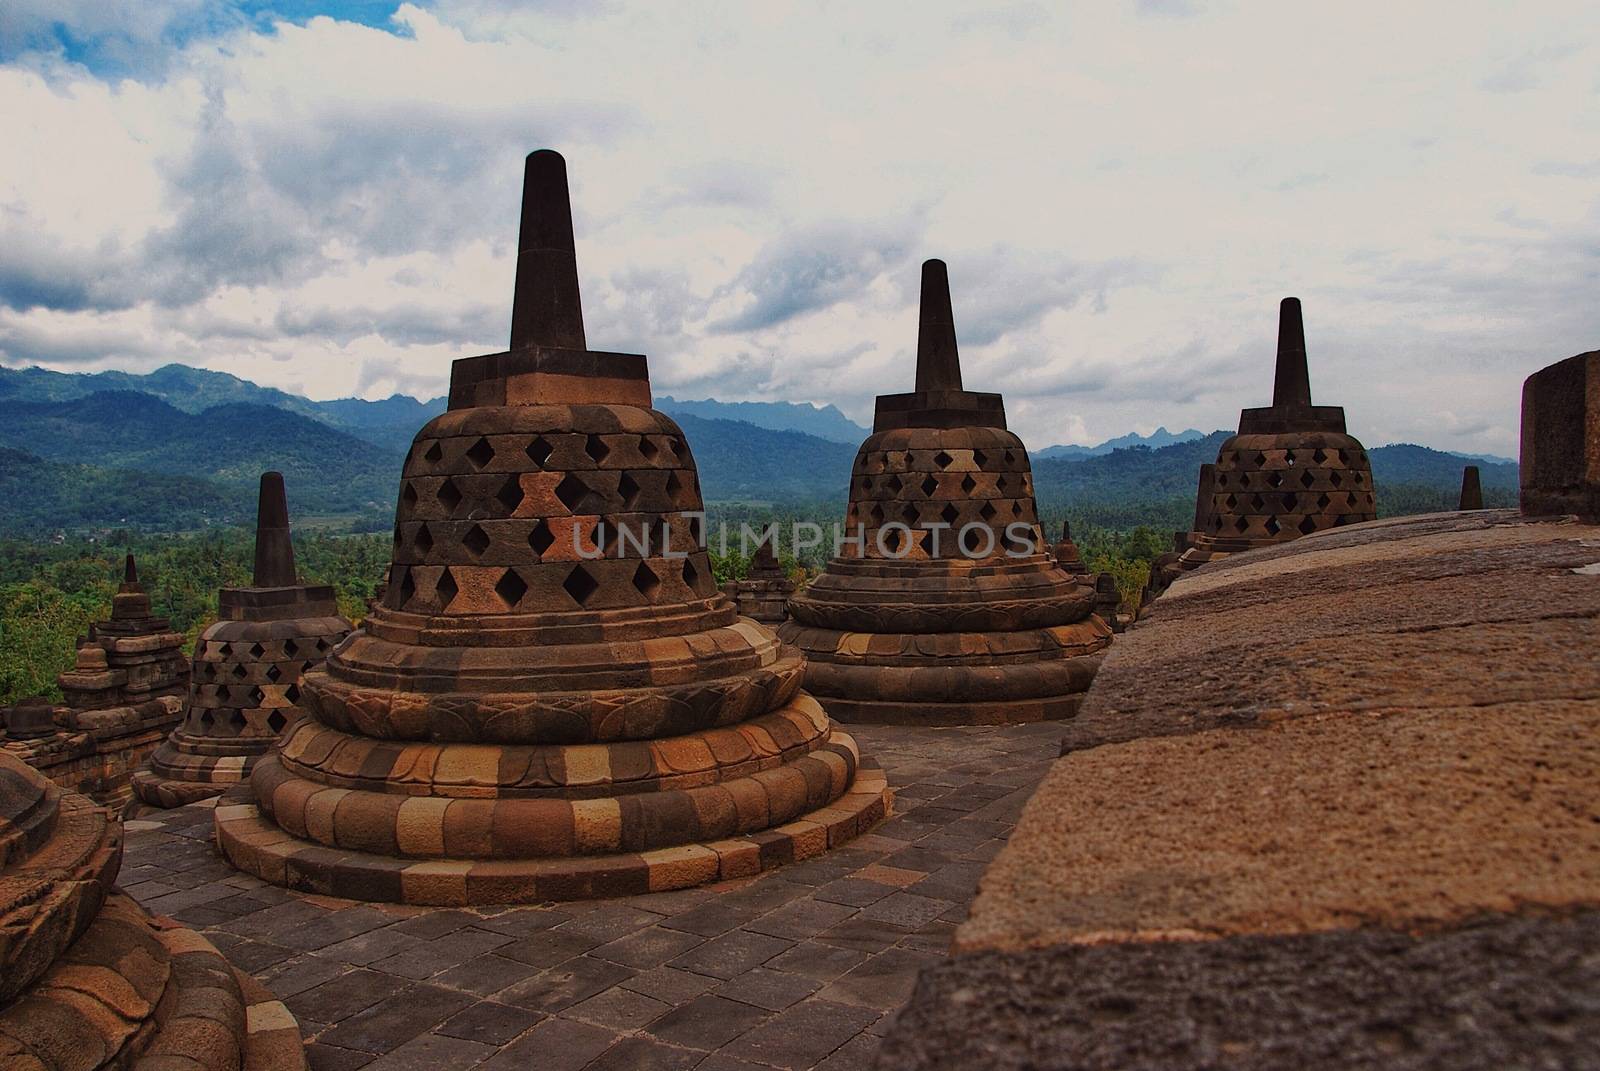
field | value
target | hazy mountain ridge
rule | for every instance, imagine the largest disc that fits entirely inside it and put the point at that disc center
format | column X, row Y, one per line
column 822, row 421
column 85, row 457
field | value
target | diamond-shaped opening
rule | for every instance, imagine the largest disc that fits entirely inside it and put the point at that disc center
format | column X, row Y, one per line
column 896, row 485
column 628, row 488
column 674, row 445
column 423, row 540
column 942, row 459
column 210, row 671
column 449, row 495
column 539, row 451
column 694, row 530
column 1320, row 456
column 646, row 582
column 292, row 693
column 434, row 454
column 239, row 670
column 408, row 497
column 1291, row 502
column 1334, row 478
column 1016, row 509
column 647, row 449
column 511, row 588
column 257, row 696
column 476, row 540
column 674, row 485
column 979, row 457
column 510, row 494
column 540, row 538
column 1308, row 526
column 580, row 585
column 480, row 453
column 691, row 575
column 1273, row 526
column 1258, row 503
column 987, row 512
column 290, row 648
column 398, row 537
column 256, row 651
column 1323, row 501
column 446, row 589
column 909, row 515
column 1288, row 458
column 207, row 719
column 950, row 514
column 1261, row 461
column 1000, row 484
column 1222, row 479
column 1306, row 480
column 408, row 588
column 276, row 721
column 1241, row 524
column 571, row 491
column 968, row 484
column 877, row 515
column 1232, row 502
column 929, row 486
column 274, row 674
column 1274, row 479
column 894, row 540
column 1358, row 478
column 1010, row 457
column 596, row 448
column 1216, row 524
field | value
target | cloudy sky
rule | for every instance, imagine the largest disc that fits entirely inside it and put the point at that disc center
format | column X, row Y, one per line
column 323, row 196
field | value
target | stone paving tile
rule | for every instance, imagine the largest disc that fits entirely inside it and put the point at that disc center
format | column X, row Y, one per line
column 802, row 967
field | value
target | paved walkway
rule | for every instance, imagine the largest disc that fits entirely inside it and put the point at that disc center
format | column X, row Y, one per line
column 802, row 967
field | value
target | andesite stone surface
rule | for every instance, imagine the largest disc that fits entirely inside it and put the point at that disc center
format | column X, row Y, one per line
column 1560, row 470
column 244, row 689
column 1329, row 804
column 949, row 609
column 88, row 979
column 1291, row 470
column 554, row 701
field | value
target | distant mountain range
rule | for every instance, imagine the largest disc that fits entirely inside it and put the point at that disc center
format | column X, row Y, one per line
column 1155, row 441
column 182, row 448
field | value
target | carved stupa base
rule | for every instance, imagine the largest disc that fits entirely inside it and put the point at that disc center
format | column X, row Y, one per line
column 257, row 844
column 91, row 980
column 951, row 678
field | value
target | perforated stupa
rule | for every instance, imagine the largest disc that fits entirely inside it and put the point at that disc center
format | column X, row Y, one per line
column 1290, row 471
column 553, row 700
column 950, row 609
column 245, row 686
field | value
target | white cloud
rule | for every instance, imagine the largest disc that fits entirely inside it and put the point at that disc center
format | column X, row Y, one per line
column 330, row 207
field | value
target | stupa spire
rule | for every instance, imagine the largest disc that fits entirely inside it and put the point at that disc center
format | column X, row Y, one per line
column 1291, row 387
column 274, row 552
column 130, row 573
column 938, row 362
column 1471, row 489
column 546, row 308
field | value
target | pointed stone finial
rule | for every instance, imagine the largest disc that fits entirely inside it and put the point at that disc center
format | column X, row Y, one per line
column 1202, row 498
column 130, row 573
column 1471, row 489
column 1066, row 531
column 938, row 363
column 274, row 552
column 1291, row 387
column 546, row 309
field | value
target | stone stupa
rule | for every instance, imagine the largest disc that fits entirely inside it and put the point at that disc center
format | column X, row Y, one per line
column 950, row 609
column 763, row 593
column 554, row 700
column 1291, row 470
column 88, row 979
column 245, row 686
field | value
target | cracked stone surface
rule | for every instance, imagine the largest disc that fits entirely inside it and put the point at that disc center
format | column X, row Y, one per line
column 801, row 967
